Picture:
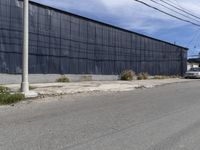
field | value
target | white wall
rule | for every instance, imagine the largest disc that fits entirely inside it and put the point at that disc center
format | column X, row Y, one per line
column 49, row 78
column 192, row 65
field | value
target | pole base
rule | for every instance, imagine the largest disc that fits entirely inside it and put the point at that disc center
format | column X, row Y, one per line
column 24, row 87
column 30, row 94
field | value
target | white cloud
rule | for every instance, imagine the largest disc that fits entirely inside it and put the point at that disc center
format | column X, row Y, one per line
column 129, row 13
column 139, row 17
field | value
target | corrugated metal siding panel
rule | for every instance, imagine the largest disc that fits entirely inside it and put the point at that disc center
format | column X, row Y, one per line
column 64, row 43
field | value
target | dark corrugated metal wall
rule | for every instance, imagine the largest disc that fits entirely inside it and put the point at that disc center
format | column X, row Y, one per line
column 65, row 43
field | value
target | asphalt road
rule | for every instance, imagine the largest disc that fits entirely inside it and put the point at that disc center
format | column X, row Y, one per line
column 161, row 118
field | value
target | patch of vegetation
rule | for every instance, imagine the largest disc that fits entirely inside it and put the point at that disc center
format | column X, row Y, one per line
column 175, row 76
column 63, row 79
column 31, row 87
column 7, row 98
column 127, row 75
column 143, row 76
column 4, row 90
column 86, row 78
column 160, row 77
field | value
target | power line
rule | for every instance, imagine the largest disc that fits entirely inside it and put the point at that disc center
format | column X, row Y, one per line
column 196, row 42
column 193, row 38
column 179, row 5
column 175, row 11
column 189, row 11
column 166, row 13
column 196, row 36
column 181, row 9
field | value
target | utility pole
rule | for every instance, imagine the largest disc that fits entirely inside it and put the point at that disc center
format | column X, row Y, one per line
column 25, row 82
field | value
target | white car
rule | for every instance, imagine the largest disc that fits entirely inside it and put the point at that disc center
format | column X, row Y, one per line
column 193, row 73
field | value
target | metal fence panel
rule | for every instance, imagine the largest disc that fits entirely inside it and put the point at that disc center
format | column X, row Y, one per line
column 63, row 43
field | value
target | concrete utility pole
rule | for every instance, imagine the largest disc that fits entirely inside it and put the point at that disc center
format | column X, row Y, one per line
column 25, row 82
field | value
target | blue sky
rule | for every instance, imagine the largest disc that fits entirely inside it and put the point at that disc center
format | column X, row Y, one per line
column 133, row 16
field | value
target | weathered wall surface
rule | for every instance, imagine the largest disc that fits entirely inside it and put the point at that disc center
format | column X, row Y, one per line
column 63, row 43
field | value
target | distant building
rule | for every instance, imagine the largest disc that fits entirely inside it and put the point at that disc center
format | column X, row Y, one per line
column 193, row 63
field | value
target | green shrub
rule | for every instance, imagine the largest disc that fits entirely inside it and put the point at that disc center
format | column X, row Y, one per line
column 63, row 79
column 7, row 98
column 143, row 76
column 127, row 75
column 10, row 98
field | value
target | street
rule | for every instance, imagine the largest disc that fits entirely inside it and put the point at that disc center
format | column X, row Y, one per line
column 161, row 118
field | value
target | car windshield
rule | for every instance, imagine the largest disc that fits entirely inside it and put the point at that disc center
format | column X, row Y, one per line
column 195, row 69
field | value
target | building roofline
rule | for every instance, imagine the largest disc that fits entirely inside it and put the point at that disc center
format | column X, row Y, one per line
column 103, row 23
column 194, row 60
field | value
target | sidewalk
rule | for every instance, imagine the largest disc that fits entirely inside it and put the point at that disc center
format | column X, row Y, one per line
column 56, row 89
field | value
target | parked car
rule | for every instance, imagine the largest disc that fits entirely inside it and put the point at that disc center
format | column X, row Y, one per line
column 193, row 73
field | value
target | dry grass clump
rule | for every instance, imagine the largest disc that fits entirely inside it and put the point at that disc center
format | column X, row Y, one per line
column 143, row 76
column 127, row 75
column 63, row 79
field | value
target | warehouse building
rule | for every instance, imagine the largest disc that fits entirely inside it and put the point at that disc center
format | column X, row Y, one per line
column 65, row 43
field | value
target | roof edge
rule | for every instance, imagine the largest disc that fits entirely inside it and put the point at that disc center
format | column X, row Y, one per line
column 103, row 23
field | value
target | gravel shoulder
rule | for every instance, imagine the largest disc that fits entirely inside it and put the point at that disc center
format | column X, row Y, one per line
column 57, row 89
